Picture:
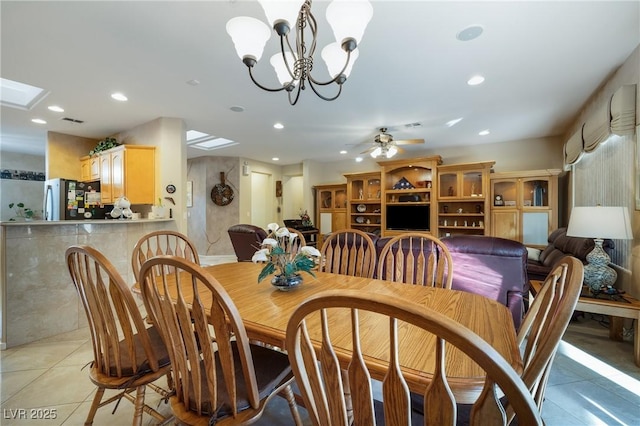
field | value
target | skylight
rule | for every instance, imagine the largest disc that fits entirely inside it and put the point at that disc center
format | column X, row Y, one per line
column 207, row 142
column 19, row 95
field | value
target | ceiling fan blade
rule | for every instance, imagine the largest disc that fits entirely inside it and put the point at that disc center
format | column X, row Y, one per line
column 408, row 141
column 369, row 150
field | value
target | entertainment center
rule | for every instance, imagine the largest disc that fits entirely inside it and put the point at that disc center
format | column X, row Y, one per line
column 422, row 194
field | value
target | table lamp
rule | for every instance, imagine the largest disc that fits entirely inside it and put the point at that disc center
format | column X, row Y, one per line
column 598, row 223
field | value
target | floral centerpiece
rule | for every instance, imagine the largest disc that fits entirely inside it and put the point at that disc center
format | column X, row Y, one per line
column 306, row 220
column 281, row 260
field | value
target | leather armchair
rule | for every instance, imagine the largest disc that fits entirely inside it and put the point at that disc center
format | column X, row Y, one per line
column 492, row 267
column 246, row 240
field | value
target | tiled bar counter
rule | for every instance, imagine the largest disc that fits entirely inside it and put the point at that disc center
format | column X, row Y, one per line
column 37, row 296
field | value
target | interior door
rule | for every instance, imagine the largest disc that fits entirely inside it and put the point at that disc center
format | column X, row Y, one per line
column 262, row 196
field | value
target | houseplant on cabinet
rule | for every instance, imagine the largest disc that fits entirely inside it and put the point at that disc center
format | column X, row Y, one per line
column 103, row 145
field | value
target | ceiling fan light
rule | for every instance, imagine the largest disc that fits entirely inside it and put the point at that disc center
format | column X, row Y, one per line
column 249, row 36
column 282, row 72
column 349, row 18
column 391, row 151
column 335, row 58
column 376, row 152
column 281, row 10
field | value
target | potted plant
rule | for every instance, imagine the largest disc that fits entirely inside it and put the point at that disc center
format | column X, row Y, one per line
column 21, row 212
column 103, row 145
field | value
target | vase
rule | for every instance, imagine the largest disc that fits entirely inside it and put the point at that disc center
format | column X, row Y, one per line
column 285, row 283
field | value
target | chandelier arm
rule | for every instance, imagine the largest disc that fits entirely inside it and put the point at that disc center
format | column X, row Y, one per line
column 313, row 26
column 261, row 86
column 295, row 100
column 311, row 84
column 284, row 57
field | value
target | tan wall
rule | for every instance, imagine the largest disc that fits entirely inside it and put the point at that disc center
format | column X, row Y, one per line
column 63, row 155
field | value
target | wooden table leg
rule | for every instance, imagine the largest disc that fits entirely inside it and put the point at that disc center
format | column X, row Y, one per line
column 615, row 328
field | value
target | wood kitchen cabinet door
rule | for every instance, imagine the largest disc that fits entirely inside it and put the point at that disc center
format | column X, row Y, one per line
column 128, row 170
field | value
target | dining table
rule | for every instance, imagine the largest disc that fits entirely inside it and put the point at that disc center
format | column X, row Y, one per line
column 265, row 311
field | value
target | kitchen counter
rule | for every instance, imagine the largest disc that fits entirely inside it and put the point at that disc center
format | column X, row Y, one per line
column 81, row 222
column 37, row 297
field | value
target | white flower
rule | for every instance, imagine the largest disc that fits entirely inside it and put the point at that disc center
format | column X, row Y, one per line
column 310, row 251
column 273, row 227
column 282, row 232
column 292, row 236
column 269, row 242
column 261, row 255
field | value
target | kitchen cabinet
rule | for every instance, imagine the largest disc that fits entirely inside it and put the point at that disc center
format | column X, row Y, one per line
column 408, row 195
column 128, row 170
column 364, row 207
column 331, row 209
column 524, row 205
column 89, row 168
column 463, row 199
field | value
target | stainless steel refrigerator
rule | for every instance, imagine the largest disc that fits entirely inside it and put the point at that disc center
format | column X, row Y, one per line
column 64, row 199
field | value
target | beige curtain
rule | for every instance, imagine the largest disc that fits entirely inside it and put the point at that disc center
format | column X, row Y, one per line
column 597, row 127
column 573, row 148
column 623, row 110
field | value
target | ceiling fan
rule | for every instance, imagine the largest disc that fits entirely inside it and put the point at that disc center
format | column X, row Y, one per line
column 385, row 145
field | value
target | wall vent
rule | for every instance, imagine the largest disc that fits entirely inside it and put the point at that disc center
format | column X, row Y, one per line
column 73, row 120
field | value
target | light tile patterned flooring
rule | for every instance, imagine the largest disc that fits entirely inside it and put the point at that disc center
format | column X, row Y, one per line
column 593, row 382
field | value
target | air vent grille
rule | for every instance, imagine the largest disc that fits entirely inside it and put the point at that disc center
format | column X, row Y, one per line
column 73, row 120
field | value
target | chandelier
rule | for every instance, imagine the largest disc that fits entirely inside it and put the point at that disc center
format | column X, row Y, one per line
column 293, row 64
column 385, row 150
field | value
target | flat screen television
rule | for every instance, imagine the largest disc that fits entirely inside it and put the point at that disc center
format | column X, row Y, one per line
column 408, row 217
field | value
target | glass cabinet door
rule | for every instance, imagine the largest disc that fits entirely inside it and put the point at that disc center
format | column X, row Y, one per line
column 504, row 193
column 472, row 184
column 448, row 185
column 535, row 193
column 340, row 199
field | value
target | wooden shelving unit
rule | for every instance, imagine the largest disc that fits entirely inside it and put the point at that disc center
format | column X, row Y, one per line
column 364, row 195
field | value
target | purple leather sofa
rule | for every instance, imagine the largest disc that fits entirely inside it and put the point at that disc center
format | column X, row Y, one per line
column 492, row 267
column 246, row 240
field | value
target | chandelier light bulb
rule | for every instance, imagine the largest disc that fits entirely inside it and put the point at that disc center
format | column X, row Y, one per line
column 349, row 18
column 376, row 152
column 335, row 57
column 281, row 10
column 392, row 151
column 249, row 36
column 282, row 72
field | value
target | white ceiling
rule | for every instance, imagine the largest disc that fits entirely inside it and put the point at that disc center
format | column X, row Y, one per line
column 541, row 60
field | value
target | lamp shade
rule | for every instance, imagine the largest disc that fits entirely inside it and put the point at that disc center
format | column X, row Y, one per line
column 286, row 10
column 349, row 18
column 282, row 72
column 600, row 222
column 249, row 36
column 335, row 57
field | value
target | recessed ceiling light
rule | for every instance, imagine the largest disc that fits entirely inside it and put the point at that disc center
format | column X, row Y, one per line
column 39, row 121
column 193, row 82
column 475, row 80
column 453, row 122
column 276, row 159
column 358, row 159
column 55, row 108
column 237, row 108
column 343, row 152
column 484, row 132
column 278, row 126
column 119, row 97
column 469, row 33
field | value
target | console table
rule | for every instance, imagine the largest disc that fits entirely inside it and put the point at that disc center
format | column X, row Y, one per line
column 627, row 307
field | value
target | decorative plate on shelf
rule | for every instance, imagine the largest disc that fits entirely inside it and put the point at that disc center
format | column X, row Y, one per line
column 361, row 208
column 359, row 219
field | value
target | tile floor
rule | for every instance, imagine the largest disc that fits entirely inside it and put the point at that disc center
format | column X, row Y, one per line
column 594, row 382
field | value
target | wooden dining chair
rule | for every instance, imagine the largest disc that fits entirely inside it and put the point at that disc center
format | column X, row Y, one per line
column 317, row 364
column 220, row 377
column 545, row 323
column 127, row 355
column 159, row 243
column 416, row 258
column 349, row 252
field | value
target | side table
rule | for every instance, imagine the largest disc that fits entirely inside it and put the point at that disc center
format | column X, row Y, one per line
column 629, row 307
